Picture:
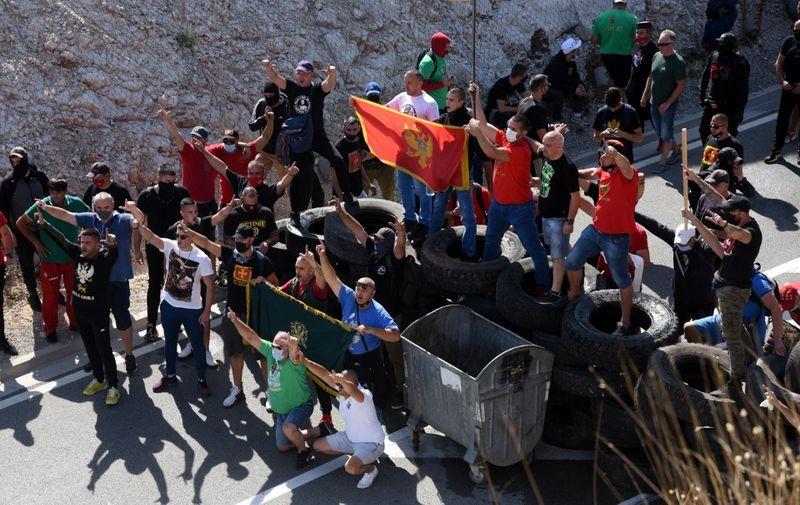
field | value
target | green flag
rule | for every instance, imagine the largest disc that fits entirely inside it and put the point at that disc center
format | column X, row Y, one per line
column 324, row 338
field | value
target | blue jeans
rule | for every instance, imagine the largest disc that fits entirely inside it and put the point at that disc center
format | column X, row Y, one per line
column 663, row 122
column 298, row 416
column 553, row 232
column 614, row 248
column 467, row 209
column 408, row 187
column 523, row 217
column 171, row 320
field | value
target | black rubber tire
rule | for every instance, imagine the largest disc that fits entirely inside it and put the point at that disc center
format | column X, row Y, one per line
column 486, row 306
column 597, row 346
column 517, row 305
column 278, row 254
column 553, row 344
column 580, row 381
column 619, row 474
column 373, row 214
column 675, row 376
column 616, row 425
column 570, row 427
column 791, row 376
column 311, row 233
column 442, row 267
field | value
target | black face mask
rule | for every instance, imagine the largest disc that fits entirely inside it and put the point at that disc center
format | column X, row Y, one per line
column 272, row 100
column 165, row 187
column 726, row 51
column 242, row 247
column 21, row 169
column 351, row 138
column 374, row 98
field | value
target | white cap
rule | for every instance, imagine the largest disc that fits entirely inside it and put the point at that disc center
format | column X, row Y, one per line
column 683, row 235
column 570, row 45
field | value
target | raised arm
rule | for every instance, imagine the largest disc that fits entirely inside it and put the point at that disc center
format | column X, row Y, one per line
column 621, row 161
column 319, row 277
column 704, row 186
column 146, row 232
column 266, row 133
column 347, row 386
column 298, row 358
column 476, row 130
column 399, row 239
column 273, row 75
column 658, row 229
column 216, row 163
column 58, row 212
column 177, row 138
column 351, row 223
column 245, row 331
column 487, row 129
column 201, row 241
column 330, row 79
column 327, row 270
column 291, row 172
column 707, row 235
column 223, row 214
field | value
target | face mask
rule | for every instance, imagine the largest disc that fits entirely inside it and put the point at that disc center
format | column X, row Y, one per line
column 229, row 148
column 272, row 100
column 255, row 181
column 248, row 208
column 242, row 247
column 351, row 138
column 511, row 135
column 685, row 248
column 165, row 186
column 643, row 40
column 277, row 354
column 374, row 98
column 104, row 215
column 97, row 183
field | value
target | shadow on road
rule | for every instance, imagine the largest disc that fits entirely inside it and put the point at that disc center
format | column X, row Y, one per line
column 24, row 413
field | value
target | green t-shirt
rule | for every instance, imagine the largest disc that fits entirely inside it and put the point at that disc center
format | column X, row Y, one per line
column 666, row 73
column 616, row 29
column 288, row 383
column 426, row 66
column 58, row 255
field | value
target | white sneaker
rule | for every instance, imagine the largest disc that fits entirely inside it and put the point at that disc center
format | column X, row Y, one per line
column 186, row 351
column 234, row 396
column 368, row 478
column 210, row 361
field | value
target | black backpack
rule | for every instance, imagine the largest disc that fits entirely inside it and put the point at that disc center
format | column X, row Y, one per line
column 421, row 55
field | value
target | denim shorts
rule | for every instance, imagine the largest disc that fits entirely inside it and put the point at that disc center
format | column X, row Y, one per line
column 553, row 231
column 614, row 248
column 663, row 122
column 119, row 294
column 367, row 452
column 298, row 416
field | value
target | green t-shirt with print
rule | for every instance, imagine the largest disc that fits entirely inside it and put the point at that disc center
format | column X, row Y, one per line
column 616, row 29
column 666, row 72
column 58, row 255
column 288, row 383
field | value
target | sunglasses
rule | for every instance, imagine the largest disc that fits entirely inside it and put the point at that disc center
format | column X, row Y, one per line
column 363, row 285
column 664, row 44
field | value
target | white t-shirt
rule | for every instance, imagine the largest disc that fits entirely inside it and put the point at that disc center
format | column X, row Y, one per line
column 422, row 106
column 360, row 419
column 184, row 273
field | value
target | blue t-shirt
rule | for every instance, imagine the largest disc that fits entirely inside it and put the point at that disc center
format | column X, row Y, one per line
column 752, row 310
column 120, row 226
column 374, row 315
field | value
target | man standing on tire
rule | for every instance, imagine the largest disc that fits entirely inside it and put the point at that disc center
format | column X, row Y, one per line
column 732, row 280
column 724, row 85
column 614, row 30
column 611, row 229
column 512, row 202
column 787, row 69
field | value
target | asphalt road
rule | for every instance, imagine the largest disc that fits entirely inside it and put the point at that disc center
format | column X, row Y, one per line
column 174, row 447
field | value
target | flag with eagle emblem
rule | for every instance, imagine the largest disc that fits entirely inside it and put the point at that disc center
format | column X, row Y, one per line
column 433, row 153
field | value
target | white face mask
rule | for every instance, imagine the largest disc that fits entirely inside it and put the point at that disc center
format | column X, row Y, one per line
column 685, row 248
column 229, row 148
column 277, row 354
column 511, row 135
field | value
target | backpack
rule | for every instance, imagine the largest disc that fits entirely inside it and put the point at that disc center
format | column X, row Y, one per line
column 421, row 55
column 296, row 137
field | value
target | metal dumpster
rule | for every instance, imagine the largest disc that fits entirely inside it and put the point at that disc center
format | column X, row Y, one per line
column 478, row 383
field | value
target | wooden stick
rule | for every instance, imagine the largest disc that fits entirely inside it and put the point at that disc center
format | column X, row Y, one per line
column 685, row 160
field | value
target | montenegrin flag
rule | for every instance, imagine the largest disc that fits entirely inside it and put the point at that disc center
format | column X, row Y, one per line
column 433, row 153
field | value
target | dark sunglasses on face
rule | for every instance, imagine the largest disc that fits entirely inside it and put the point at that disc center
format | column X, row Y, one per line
column 363, row 285
column 664, row 44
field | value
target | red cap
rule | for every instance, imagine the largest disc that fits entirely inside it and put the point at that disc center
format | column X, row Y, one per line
column 790, row 296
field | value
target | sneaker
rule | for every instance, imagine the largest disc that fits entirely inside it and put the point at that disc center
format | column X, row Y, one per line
column 165, row 382
column 368, row 478
column 52, row 337
column 94, row 387
column 304, row 458
column 112, row 397
column 235, row 396
column 790, row 137
column 673, row 158
column 540, row 292
column 551, row 297
column 186, row 351
column 773, row 157
column 35, row 303
column 151, row 335
column 130, row 364
column 202, row 388
column 210, row 361
column 7, row 347
column 622, row 331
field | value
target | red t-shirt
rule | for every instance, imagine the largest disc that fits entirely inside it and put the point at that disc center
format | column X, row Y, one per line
column 481, row 200
column 196, row 174
column 512, row 178
column 614, row 211
column 3, row 222
column 236, row 161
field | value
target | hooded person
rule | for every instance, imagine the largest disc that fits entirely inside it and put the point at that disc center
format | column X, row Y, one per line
column 724, row 85
column 18, row 191
column 434, row 69
column 276, row 102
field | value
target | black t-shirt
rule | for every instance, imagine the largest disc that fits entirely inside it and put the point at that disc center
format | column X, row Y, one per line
column 712, row 148
column 117, row 191
column 161, row 209
column 538, row 119
column 241, row 271
column 791, row 65
column 353, row 152
column 559, row 180
column 736, row 268
column 304, row 100
column 267, row 193
column 642, row 63
column 387, row 273
column 624, row 119
column 504, row 90
column 260, row 218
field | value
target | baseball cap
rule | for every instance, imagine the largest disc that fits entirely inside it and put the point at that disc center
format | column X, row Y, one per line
column 736, row 202
column 18, row 152
column 372, row 88
column 230, row 135
column 790, row 296
column 570, row 45
column 616, row 144
column 99, row 168
column 727, row 40
column 620, row 2
column 717, row 176
column 645, row 25
column 199, row 131
column 683, row 235
column 244, row 231
column 727, row 156
column 305, row 66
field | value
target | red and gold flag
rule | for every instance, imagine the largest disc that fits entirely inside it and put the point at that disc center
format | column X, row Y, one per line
column 433, row 153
